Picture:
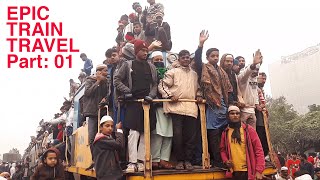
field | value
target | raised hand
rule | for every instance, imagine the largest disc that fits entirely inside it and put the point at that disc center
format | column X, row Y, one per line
column 119, row 125
column 156, row 44
column 257, row 57
column 100, row 77
column 145, row 11
column 204, row 35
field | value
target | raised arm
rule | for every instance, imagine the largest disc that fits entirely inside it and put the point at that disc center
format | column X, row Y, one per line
column 245, row 74
column 204, row 35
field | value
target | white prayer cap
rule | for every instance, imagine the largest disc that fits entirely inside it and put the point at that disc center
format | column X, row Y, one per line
column 101, row 66
column 106, row 118
column 156, row 53
column 233, row 108
column 284, row 168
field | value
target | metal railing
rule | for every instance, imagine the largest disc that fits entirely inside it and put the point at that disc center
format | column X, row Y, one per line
column 146, row 109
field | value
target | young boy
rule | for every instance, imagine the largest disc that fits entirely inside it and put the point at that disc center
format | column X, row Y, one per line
column 182, row 83
column 105, row 149
column 51, row 167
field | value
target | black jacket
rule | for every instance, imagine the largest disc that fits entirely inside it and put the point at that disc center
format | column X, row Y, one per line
column 17, row 175
column 44, row 172
column 93, row 95
column 307, row 167
column 105, row 156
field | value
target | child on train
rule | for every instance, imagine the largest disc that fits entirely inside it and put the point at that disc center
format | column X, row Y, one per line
column 105, row 148
column 51, row 167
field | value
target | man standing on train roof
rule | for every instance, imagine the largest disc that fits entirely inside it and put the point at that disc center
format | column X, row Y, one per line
column 217, row 91
column 259, row 113
column 87, row 64
column 241, row 149
column 226, row 63
column 137, row 79
column 114, row 62
column 96, row 92
column 182, row 83
column 249, row 89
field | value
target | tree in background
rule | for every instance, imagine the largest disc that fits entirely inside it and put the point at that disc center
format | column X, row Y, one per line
column 290, row 131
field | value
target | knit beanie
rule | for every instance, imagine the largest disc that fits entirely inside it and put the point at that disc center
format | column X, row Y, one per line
column 129, row 36
column 128, row 50
column 235, row 61
column 138, row 45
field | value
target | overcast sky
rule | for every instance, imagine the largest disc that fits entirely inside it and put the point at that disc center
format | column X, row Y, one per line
column 278, row 28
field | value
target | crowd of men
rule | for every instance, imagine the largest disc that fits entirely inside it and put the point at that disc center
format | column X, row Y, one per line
column 299, row 166
column 141, row 66
column 137, row 68
column 14, row 171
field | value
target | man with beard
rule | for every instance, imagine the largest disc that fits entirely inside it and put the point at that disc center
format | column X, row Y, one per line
column 242, row 62
column 259, row 113
column 249, row 89
column 161, row 137
column 227, row 64
column 241, row 149
column 137, row 79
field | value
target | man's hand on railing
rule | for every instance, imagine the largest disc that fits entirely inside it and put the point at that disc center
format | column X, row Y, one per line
column 174, row 98
column 199, row 99
column 128, row 96
column 148, row 99
column 125, row 97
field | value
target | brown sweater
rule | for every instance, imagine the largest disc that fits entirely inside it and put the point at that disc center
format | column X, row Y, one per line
column 44, row 172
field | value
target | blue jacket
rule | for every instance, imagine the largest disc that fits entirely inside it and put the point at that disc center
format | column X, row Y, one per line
column 87, row 67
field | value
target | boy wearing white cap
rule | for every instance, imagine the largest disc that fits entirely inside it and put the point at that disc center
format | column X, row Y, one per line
column 284, row 174
column 105, row 149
